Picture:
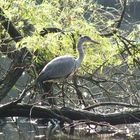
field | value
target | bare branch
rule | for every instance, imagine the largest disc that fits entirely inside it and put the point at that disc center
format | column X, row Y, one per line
column 110, row 104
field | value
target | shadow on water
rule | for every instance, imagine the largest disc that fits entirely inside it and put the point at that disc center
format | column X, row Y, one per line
column 25, row 130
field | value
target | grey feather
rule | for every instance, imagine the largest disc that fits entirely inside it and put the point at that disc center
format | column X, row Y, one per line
column 59, row 67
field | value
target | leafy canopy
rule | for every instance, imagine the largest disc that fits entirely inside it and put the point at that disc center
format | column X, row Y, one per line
column 74, row 16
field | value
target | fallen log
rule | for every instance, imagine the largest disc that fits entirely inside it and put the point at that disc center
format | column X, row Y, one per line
column 68, row 114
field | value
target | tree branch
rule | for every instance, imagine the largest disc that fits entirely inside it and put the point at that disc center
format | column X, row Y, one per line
column 119, row 21
column 19, row 57
column 111, row 103
column 9, row 27
column 14, row 72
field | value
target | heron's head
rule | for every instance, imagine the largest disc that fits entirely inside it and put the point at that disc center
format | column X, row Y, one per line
column 87, row 39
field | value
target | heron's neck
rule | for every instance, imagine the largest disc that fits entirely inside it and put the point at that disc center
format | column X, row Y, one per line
column 81, row 54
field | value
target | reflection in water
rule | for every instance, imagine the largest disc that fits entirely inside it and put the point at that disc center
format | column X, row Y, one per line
column 22, row 129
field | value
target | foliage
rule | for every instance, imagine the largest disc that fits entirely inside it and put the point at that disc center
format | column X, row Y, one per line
column 70, row 16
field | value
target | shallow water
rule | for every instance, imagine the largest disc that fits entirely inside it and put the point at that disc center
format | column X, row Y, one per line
column 25, row 130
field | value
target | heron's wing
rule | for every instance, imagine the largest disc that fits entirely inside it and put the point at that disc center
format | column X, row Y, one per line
column 59, row 67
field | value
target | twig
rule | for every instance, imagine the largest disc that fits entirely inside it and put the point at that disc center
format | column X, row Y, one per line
column 119, row 22
column 122, row 14
column 111, row 103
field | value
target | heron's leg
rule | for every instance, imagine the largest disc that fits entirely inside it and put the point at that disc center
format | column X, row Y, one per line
column 48, row 93
column 40, row 92
column 63, row 94
column 41, row 89
column 50, row 97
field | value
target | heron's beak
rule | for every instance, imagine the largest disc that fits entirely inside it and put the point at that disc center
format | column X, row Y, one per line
column 95, row 41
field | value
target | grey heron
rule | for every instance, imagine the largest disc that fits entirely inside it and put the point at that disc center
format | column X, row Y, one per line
column 63, row 66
